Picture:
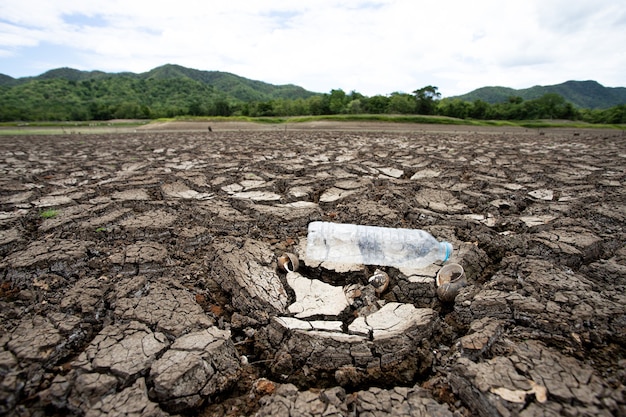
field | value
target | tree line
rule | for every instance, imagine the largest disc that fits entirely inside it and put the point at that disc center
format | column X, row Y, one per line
column 129, row 98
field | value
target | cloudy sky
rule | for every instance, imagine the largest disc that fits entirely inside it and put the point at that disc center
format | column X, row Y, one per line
column 371, row 46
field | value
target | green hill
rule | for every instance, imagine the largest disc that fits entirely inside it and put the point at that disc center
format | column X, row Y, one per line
column 70, row 74
column 238, row 87
column 65, row 94
column 6, row 81
column 582, row 94
column 231, row 85
column 165, row 91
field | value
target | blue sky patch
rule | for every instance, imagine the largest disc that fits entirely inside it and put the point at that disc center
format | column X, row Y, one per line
column 78, row 19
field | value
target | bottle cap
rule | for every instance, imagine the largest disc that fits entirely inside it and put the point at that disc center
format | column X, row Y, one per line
column 446, row 249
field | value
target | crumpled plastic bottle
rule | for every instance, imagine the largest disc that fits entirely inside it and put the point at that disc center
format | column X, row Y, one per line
column 373, row 245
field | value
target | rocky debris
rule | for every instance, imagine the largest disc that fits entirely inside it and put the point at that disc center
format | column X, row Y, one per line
column 289, row 211
column 9, row 217
column 197, row 366
column 35, row 339
column 124, row 350
column 78, row 391
column 482, row 335
column 52, row 201
column 35, row 344
column 180, row 190
column 372, row 212
column 439, row 201
column 132, row 194
column 257, row 195
column 334, row 194
column 374, row 348
column 225, row 212
column 104, row 219
column 140, row 252
column 173, row 311
column 181, row 375
column 533, row 380
column 574, row 242
column 287, row 401
column 153, row 219
column 560, row 305
column 132, row 401
column 542, row 194
column 48, row 251
column 610, row 274
column 18, row 198
column 11, row 385
column 315, row 298
column 7, row 361
column 247, row 270
column 425, row 173
column 391, row 172
column 392, row 320
column 67, row 215
column 418, row 287
column 86, row 296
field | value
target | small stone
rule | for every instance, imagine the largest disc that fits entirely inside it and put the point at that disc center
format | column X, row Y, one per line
column 263, row 386
column 542, row 194
column 314, row 297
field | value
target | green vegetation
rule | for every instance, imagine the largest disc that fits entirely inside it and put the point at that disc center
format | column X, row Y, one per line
column 582, row 94
column 394, row 118
column 48, row 214
column 172, row 91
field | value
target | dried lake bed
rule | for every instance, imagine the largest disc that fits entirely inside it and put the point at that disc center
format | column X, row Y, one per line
column 139, row 275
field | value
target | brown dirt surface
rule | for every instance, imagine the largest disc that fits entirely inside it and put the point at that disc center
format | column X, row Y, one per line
column 139, row 271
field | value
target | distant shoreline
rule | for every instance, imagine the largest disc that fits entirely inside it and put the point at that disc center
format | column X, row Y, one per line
column 132, row 126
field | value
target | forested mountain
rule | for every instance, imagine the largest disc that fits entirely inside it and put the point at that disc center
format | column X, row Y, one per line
column 66, row 94
column 238, row 87
column 582, row 94
column 231, row 85
column 166, row 91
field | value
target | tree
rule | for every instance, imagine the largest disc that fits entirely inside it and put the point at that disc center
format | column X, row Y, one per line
column 615, row 114
column 426, row 98
column 550, row 105
column 354, row 107
column 401, row 103
column 479, row 110
column 377, row 104
column 454, row 108
column 338, row 101
column 318, row 105
column 221, row 107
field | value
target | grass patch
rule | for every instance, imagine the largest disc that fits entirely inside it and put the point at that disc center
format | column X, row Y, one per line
column 69, row 125
column 401, row 118
column 386, row 118
column 119, row 126
column 48, row 214
column 63, row 128
column 269, row 120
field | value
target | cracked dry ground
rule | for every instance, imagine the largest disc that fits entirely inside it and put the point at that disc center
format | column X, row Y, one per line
column 150, row 285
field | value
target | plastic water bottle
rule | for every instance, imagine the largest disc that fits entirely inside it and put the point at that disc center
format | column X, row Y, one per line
column 372, row 245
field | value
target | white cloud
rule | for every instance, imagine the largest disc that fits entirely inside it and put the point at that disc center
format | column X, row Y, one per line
column 372, row 46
